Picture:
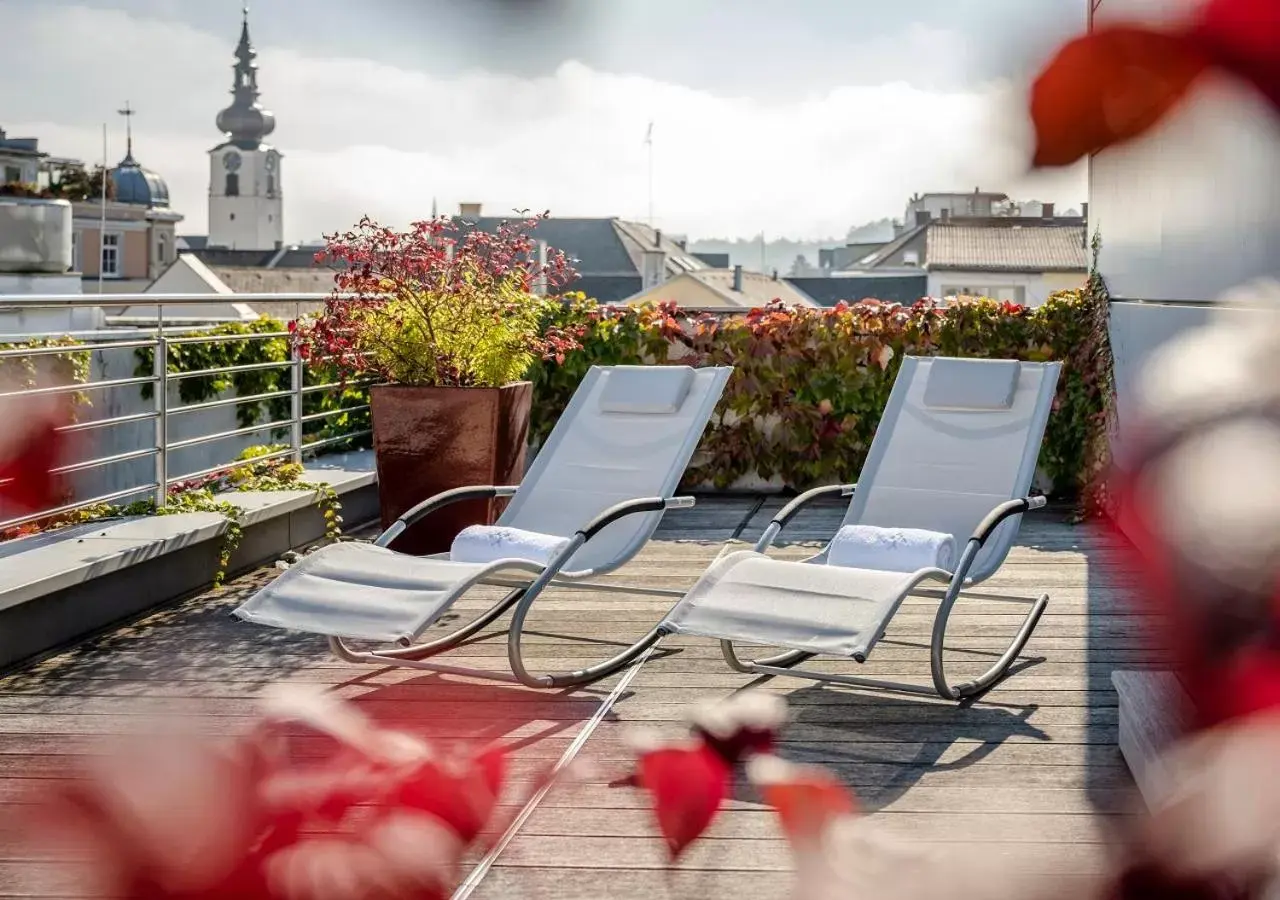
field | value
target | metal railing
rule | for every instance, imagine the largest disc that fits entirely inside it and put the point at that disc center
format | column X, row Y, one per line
column 167, row 329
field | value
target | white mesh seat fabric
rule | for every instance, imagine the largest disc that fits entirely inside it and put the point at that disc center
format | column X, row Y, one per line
column 958, row 438
column 627, row 433
column 747, row 597
column 357, row 590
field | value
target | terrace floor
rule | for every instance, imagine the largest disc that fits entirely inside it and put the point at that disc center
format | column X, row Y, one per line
column 1033, row 766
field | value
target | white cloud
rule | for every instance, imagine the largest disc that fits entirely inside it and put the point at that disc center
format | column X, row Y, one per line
column 361, row 137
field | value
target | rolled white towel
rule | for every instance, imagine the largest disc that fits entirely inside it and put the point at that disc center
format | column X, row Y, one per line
column 891, row 549
column 489, row 543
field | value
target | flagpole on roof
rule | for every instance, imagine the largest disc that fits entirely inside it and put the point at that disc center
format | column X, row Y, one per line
column 648, row 140
column 102, row 222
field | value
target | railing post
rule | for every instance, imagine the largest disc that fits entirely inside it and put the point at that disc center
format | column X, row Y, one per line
column 295, row 375
column 160, row 369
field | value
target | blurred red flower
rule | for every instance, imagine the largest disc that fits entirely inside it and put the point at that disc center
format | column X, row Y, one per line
column 1118, row 81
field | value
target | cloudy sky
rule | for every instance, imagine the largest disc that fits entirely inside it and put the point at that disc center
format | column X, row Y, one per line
column 791, row 117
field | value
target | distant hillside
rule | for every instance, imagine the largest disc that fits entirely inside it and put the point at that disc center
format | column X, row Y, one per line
column 781, row 253
column 746, row 252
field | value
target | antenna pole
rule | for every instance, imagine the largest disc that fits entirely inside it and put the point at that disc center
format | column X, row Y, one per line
column 648, row 140
column 102, row 222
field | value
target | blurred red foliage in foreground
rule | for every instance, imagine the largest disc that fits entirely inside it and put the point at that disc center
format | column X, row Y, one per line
column 1118, row 81
column 31, row 448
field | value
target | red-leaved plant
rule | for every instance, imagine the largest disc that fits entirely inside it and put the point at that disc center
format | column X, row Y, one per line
column 386, row 815
column 443, row 304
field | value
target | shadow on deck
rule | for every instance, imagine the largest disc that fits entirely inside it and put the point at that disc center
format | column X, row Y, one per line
column 1032, row 764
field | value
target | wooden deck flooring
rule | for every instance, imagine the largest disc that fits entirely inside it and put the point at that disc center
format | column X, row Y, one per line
column 1033, row 764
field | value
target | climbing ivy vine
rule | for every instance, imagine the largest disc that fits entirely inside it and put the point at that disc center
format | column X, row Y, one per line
column 226, row 351
column 251, row 471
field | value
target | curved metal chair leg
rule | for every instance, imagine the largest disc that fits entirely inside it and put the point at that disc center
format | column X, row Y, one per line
column 583, row 676
column 431, row 648
column 781, row 661
column 997, row 671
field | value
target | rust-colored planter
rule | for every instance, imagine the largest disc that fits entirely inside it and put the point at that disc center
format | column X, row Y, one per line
column 432, row 439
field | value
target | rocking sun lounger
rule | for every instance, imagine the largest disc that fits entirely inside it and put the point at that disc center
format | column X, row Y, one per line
column 953, row 457
column 589, row 503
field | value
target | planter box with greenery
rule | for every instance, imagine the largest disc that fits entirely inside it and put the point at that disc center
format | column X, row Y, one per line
column 448, row 325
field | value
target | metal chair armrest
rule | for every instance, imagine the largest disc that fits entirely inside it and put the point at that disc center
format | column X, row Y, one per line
column 439, row 501
column 788, row 512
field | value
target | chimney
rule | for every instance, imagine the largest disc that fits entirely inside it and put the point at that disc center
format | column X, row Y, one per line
column 946, row 214
column 469, row 210
column 1046, row 210
column 775, row 274
column 654, row 270
column 657, row 238
column 737, row 279
column 922, row 216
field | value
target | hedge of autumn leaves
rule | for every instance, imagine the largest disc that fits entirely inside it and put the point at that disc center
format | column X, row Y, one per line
column 810, row 384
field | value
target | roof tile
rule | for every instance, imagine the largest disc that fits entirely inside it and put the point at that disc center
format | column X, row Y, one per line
column 1007, row 248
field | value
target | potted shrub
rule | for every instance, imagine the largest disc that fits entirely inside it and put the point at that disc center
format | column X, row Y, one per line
column 448, row 325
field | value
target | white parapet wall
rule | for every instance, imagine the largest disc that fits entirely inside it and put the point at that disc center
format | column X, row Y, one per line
column 1185, row 214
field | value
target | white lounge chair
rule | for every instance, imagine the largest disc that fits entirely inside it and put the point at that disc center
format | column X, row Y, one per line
column 590, row 502
column 955, row 453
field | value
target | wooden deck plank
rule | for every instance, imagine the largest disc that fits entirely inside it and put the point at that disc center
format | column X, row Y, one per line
column 1032, row 770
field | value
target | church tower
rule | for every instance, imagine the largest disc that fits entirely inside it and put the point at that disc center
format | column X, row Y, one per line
column 246, row 201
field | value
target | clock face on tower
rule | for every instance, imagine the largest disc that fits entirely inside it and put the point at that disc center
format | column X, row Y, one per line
column 231, row 161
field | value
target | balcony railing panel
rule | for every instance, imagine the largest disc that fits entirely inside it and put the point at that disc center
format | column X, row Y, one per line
column 146, row 445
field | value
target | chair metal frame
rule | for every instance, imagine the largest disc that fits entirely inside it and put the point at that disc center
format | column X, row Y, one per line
column 521, row 596
column 957, row 581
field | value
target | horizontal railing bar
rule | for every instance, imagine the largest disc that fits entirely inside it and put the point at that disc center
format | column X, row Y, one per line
column 105, row 423
column 227, row 467
column 75, row 348
column 224, row 338
column 336, row 440
column 362, row 382
column 87, row 386
column 79, row 504
column 222, row 435
column 333, row 412
column 109, row 301
column 227, row 370
column 105, row 461
column 228, row 401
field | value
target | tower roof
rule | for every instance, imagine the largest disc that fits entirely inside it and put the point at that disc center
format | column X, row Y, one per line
column 245, row 122
column 133, row 183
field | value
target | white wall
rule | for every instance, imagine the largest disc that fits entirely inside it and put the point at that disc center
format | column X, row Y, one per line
column 1185, row 213
column 1036, row 286
column 258, row 222
column 1193, row 208
column 115, row 439
column 16, row 322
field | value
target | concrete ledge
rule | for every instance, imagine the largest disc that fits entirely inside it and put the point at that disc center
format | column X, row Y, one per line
column 1151, row 720
column 61, row 587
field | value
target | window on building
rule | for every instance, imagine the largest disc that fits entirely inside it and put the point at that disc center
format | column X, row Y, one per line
column 12, row 174
column 271, row 185
column 162, row 249
column 111, row 254
column 233, row 185
column 77, row 251
column 233, row 217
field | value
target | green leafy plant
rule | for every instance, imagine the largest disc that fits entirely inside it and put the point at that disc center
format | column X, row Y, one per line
column 809, row 384
column 251, row 471
column 42, row 370
column 433, row 307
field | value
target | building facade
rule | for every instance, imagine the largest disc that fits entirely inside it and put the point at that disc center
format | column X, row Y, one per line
column 246, row 197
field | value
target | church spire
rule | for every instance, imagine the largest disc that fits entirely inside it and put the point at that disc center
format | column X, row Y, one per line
column 245, row 122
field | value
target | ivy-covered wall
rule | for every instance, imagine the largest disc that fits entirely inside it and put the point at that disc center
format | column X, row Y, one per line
column 809, row 384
